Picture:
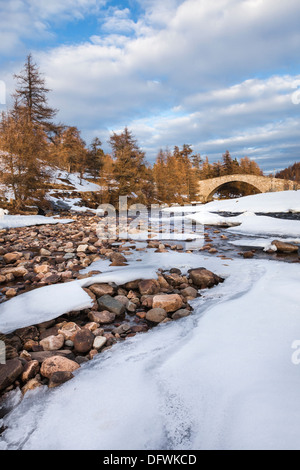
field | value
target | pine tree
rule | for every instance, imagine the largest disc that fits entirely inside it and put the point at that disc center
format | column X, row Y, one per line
column 31, row 96
column 95, row 157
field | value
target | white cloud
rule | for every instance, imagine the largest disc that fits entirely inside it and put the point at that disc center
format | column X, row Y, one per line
column 187, row 71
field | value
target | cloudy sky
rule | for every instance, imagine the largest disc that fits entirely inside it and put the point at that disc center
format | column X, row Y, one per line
column 219, row 75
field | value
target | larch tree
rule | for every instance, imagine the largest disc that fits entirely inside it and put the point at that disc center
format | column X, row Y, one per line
column 23, row 147
column 130, row 169
column 31, row 95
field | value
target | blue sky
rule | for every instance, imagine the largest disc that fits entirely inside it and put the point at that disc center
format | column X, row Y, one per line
column 219, row 75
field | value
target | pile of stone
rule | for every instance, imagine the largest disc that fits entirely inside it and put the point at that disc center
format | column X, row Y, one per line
column 50, row 352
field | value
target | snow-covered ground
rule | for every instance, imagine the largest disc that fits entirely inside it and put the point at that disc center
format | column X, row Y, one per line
column 284, row 201
column 13, row 221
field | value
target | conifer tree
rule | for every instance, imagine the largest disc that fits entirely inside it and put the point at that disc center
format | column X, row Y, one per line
column 31, row 96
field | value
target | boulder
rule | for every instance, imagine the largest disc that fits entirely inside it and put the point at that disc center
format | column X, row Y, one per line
column 203, row 278
column 57, row 364
column 283, row 247
column 52, row 343
column 59, row 377
column 106, row 302
column 181, row 313
column 149, row 287
column 102, row 289
column 102, row 317
column 69, row 330
column 12, row 257
column 189, row 292
column 99, row 342
column 9, row 372
column 41, row 356
column 156, row 315
column 83, row 341
column 168, row 302
column 18, row 271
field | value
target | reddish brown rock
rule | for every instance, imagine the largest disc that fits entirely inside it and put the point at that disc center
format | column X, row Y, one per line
column 69, row 330
column 283, row 247
column 12, row 257
column 168, row 302
column 203, row 278
column 83, row 341
column 102, row 317
column 102, row 289
column 57, row 364
column 149, row 287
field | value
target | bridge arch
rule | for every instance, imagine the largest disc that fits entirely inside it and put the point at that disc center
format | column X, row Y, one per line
column 223, row 185
column 262, row 184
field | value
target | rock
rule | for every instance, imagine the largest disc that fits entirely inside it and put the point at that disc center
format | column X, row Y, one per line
column 9, row 372
column 12, row 257
column 168, row 302
column 156, row 315
column 11, row 292
column 102, row 289
column 57, row 364
column 102, row 317
column 117, row 258
column 99, row 342
column 40, row 356
column 285, row 247
column 106, row 302
column 18, row 271
column 180, row 314
column 44, row 252
column 174, row 279
column 162, row 282
column 92, row 326
column 31, row 368
column 248, row 254
column 203, row 278
column 52, row 331
column 82, row 248
column 52, row 278
column 189, row 292
column 2, row 279
column 29, row 332
column 124, row 328
column 53, row 343
column 83, row 341
column 149, row 287
column 59, row 377
column 69, row 330
column 132, row 285
column 31, row 385
column 41, row 268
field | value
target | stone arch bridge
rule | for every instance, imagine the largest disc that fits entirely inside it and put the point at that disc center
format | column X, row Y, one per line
column 263, row 184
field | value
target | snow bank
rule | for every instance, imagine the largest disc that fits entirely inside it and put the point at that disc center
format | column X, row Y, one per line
column 50, row 302
column 285, row 201
column 263, row 225
column 14, row 221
